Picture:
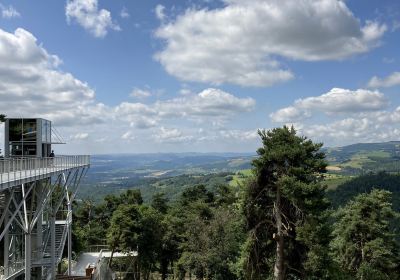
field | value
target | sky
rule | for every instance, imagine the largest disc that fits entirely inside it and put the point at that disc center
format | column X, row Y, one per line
column 124, row 76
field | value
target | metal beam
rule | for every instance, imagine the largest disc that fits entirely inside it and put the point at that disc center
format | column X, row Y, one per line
column 28, row 254
column 6, row 242
column 69, row 227
column 7, row 225
column 53, row 245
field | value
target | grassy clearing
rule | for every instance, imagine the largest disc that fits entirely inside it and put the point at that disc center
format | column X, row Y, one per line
column 379, row 154
column 357, row 161
column 334, row 180
column 360, row 159
column 240, row 177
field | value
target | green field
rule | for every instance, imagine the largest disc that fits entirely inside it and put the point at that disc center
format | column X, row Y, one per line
column 334, row 180
column 240, row 177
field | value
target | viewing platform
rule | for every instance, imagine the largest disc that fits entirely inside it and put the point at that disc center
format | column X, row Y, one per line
column 17, row 171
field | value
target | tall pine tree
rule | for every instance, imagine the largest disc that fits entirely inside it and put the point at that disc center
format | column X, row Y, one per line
column 285, row 209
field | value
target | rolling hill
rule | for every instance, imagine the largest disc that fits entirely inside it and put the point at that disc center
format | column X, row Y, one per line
column 171, row 173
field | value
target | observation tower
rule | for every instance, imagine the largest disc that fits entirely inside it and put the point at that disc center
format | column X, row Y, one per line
column 36, row 193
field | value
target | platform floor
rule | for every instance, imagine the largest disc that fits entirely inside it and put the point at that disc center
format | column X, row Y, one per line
column 15, row 178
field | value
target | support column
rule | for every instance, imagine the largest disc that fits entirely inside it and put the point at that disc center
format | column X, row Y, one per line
column 27, row 232
column 69, row 238
column 28, row 254
column 6, row 243
column 53, row 245
column 39, row 229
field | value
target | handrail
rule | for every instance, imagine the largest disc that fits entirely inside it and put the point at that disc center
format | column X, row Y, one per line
column 13, row 168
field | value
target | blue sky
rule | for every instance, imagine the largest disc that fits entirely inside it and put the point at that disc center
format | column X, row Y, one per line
column 203, row 76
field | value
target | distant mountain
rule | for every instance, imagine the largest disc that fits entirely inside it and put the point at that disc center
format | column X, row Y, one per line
column 365, row 157
column 117, row 172
column 172, row 172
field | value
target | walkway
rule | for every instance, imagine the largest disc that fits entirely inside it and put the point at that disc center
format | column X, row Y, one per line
column 17, row 171
column 93, row 257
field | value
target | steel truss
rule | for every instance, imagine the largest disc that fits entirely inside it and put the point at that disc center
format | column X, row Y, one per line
column 35, row 222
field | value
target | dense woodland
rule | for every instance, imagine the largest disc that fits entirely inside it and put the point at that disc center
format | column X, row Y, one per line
column 280, row 223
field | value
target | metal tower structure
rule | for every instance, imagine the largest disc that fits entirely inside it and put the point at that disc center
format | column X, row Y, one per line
column 36, row 195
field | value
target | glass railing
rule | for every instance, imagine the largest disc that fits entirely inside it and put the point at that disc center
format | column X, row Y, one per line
column 20, row 168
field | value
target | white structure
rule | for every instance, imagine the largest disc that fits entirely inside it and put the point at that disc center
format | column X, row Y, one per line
column 36, row 193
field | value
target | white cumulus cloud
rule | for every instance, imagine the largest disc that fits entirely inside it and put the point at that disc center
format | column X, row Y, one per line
column 373, row 127
column 337, row 100
column 124, row 13
column 241, row 135
column 159, row 10
column 140, row 93
column 390, row 81
column 242, row 43
column 80, row 136
column 8, row 12
column 128, row 136
column 209, row 104
column 171, row 135
column 32, row 85
column 88, row 15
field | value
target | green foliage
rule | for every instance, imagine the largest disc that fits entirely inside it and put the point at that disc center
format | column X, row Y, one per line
column 160, row 203
column 285, row 206
column 149, row 238
column 365, row 184
column 227, row 226
column 123, row 232
column 2, row 118
column 212, row 233
column 364, row 243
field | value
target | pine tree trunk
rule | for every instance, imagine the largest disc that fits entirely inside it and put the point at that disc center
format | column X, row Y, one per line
column 279, row 260
column 111, row 257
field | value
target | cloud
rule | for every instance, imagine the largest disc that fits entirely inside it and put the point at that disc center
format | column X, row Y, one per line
column 246, row 42
column 87, row 14
column 80, row 136
column 390, row 81
column 128, row 136
column 374, row 127
column 124, row 13
column 209, row 104
column 240, row 135
column 289, row 114
column 395, row 25
column 9, row 12
column 337, row 100
column 171, row 135
column 159, row 10
column 141, row 122
column 32, row 85
column 140, row 93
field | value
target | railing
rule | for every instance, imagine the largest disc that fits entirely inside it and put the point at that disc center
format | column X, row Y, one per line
column 98, row 248
column 19, row 168
column 102, row 271
column 13, row 268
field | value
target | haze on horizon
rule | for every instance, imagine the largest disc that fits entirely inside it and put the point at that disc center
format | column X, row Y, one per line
column 201, row 75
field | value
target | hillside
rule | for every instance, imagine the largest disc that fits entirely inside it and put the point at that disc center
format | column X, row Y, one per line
column 172, row 173
column 365, row 184
column 168, row 173
column 362, row 158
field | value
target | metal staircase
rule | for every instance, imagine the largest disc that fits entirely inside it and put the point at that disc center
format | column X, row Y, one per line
column 60, row 230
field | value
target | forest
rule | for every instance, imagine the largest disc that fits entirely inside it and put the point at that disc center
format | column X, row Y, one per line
column 279, row 223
